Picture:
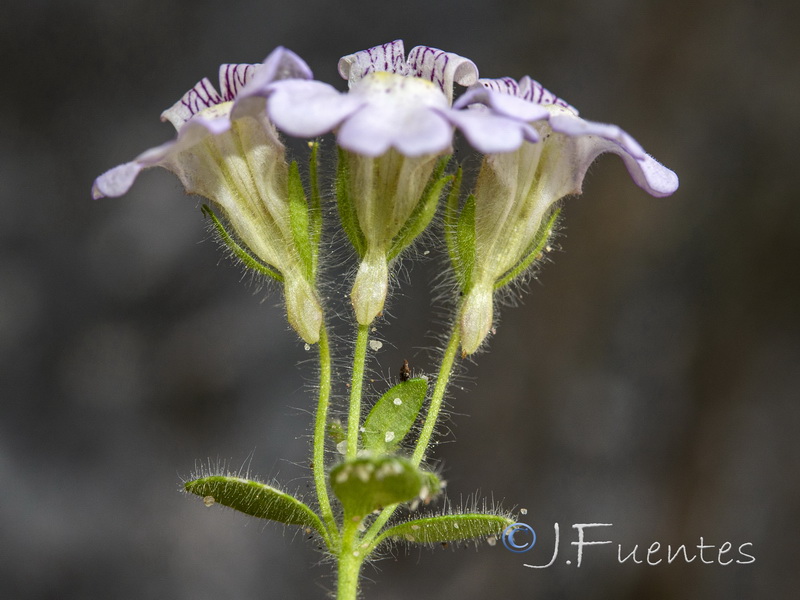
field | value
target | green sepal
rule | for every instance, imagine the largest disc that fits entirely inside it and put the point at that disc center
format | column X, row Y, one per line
column 533, row 253
column 448, row 528
column 254, row 499
column 366, row 484
column 451, row 221
column 243, row 255
column 299, row 219
column 393, row 415
column 465, row 243
column 315, row 209
column 424, row 210
column 346, row 207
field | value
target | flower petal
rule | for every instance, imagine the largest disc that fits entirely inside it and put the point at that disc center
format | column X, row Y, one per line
column 373, row 130
column 575, row 126
column 489, row 133
column 442, row 68
column 649, row 174
column 502, row 103
column 280, row 64
column 646, row 172
column 309, row 108
column 201, row 96
column 233, row 78
column 534, row 91
column 389, row 57
column 117, row 181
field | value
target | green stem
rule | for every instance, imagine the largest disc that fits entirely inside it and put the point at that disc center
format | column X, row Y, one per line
column 445, row 370
column 350, row 561
column 354, row 417
column 442, row 380
column 318, row 461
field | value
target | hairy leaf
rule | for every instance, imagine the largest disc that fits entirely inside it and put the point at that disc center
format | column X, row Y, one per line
column 254, row 499
column 370, row 483
column 448, row 528
column 393, row 415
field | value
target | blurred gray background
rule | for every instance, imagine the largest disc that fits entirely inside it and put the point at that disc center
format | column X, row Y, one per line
column 649, row 380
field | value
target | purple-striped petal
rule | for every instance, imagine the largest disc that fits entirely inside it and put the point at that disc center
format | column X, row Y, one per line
column 389, row 57
column 233, row 78
column 309, row 108
column 200, row 97
column 533, row 91
column 442, row 68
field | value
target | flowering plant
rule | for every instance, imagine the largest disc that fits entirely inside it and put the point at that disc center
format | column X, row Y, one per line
column 393, row 131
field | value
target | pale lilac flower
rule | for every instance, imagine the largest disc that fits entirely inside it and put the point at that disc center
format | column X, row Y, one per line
column 580, row 141
column 228, row 151
column 516, row 190
column 394, row 102
column 393, row 123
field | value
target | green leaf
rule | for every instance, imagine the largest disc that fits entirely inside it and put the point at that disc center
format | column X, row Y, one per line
column 254, row 499
column 448, row 528
column 247, row 259
column 465, row 243
column 393, row 415
column 299, row 219
column 451, row 222
column 424, row 210
column 370, row 483
column 533, row 253
column 347, row 210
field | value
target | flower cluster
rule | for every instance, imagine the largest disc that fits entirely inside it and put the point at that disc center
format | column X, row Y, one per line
column 394, row 128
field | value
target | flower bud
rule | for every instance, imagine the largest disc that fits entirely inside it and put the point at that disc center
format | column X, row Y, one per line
column 477, row 315
column 303, row 309
column 370, row 287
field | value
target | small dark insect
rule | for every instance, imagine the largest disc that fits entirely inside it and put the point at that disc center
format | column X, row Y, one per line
column 405, row 371
column 445, row 544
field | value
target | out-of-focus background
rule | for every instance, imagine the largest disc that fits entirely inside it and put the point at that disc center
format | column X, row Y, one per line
column 649, row 380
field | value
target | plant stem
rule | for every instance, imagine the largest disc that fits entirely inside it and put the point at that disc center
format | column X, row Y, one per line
column 318, row 460
column 350, row 561
column 445, row 370
column 442, row 380
column 354, row 416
